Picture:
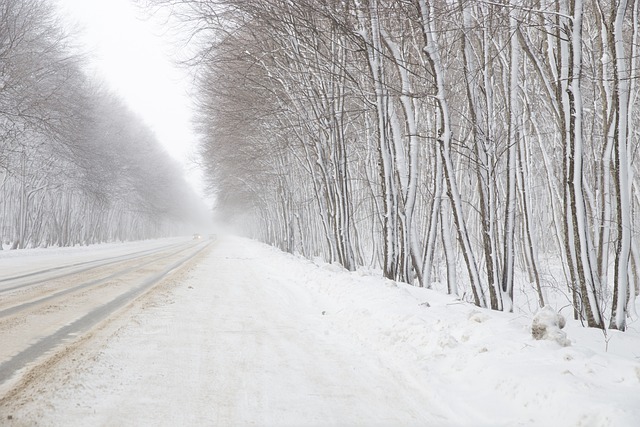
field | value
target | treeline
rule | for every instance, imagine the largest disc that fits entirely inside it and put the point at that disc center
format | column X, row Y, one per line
column 424, row 135
column 76, row 166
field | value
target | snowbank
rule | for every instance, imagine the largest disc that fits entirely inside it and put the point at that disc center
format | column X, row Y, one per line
column 484, row 365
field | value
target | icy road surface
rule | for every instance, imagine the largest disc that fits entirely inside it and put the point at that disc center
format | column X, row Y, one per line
column 251, row 336
column 44, row 307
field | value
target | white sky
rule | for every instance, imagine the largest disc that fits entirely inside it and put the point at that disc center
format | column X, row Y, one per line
column 136, row 58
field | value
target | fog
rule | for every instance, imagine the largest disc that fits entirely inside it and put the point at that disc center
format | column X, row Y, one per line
column 77, row 165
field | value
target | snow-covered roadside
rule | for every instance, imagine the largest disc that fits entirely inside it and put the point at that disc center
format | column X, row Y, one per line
column 485, row 364
column 257, row 337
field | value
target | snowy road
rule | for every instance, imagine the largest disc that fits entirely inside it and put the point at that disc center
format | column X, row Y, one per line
column 238, row 349
column 251, row 336
column 43, row 306
column 275, row 359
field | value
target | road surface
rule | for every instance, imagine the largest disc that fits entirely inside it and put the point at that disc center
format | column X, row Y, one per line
column 234, row 342
column 246, row 335
column 46, row 306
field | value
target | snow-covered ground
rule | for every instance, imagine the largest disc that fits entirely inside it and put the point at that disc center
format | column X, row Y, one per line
column 16, row 262
column 252, row 336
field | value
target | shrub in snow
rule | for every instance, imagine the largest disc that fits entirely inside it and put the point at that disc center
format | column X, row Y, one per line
column 479, row 317
column 546, row 325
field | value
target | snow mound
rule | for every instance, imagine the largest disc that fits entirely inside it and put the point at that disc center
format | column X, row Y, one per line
column 547, row 325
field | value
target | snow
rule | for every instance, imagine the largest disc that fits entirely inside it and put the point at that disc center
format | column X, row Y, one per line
column 15, row 262
column 253, row 336
column 547, row 325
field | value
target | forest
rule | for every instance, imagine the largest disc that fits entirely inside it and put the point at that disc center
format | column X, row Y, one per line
column 453, row 141
column 77, row 166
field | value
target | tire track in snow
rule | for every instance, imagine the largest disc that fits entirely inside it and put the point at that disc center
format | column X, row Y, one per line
column 13, row 367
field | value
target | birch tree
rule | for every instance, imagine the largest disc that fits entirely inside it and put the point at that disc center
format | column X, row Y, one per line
column 622, row 178
column 421, row 136
column 444, row 136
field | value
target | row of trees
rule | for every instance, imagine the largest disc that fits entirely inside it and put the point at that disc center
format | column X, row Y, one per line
column 413, row 134
column 76, row 166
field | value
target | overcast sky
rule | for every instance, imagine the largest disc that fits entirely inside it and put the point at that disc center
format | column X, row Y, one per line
column 135, row 56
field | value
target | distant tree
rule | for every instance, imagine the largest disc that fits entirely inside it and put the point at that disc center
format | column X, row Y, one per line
column 76, row 165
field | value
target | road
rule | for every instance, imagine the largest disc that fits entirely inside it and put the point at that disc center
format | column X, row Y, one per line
column 240, row 339
column 44, row 307
column 246, row 335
